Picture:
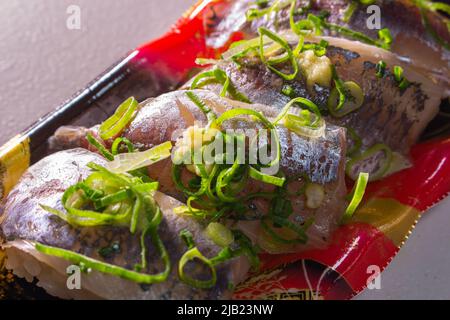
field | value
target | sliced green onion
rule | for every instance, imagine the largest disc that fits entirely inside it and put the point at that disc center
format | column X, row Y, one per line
column 152, row 228
column 304, row 102
column 74, row 214
column 242, row 48
column 262, row 3
column 303, row 124
column 229, row 114
column 348, row 14
column 381, row 69
column 127, row 162
column 438, row 6
column 86, row 218
column 225, row 197
column 113, row 126
column 110, row 177
column 339, row 87
column 79, row 221
column 191, row 255
column 288, row 91
column 263, row 32
column 176, row 177
column 384, row 167
column 205, row 62
column 100, row 147
column 188, row 238
column 137, row 207
column 357, row 196
column 233, row 113
column 263, row 9
column 112, row 199
column 116, row 144
column 398, row 73
column 198, row 102
column 219, row 234
column 258, row 175
column 102, row 189
column 345, row 100
column 301, row 27
column 219, row 76
column 113, row 269
column 202, row 79
column 224, row 179
column 384, row 41
column 385, row 38
column 403, row 83
column 297, row 124
column 320, row 49
column 145, row 188
column 90, row 193
column 192, row 212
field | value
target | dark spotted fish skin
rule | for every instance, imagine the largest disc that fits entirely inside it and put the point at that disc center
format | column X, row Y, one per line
column 389, row 115
column 44, row 183
column 410, row 38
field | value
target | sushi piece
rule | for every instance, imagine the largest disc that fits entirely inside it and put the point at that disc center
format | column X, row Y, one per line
column 24, row 222
column 316, row 161
column 419, row 33
column 391, row 108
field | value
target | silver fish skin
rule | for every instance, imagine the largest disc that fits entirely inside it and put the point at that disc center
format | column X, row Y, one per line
column 23, row 222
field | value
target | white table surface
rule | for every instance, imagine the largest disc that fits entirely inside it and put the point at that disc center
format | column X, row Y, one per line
column 42, row 63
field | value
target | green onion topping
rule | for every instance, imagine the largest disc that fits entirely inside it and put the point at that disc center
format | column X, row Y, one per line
column 115, row 125
column 99, row 146
column 308, row 123
column 356, row 195
column 381, row 69
column 218, row 76
column 345, row 98
column 127, row 162
column 263, row 32
column 403, row 83
column 114, row 270
column 383, row 167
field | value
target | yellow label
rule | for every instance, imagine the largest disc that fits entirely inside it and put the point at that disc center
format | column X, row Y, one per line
column 14, row 160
